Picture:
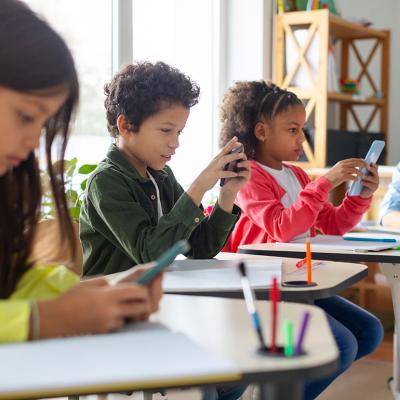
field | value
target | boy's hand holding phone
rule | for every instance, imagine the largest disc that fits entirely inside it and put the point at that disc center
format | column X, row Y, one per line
column 219, row 169
column 230, row 187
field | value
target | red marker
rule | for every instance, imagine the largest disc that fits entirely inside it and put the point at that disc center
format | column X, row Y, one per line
column 274, row 297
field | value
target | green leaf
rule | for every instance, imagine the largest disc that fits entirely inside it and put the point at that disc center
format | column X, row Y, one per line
column 83, row 184
column 72, row 195
column 74, row 213
column 70, row 166
column 87, row 168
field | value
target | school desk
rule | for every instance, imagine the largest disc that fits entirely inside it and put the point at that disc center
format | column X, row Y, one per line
column 224, row 326
column 389, row 262
column 331, row 278
column 191, row 341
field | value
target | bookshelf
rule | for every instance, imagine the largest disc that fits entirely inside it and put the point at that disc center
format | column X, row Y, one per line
column 325, row 28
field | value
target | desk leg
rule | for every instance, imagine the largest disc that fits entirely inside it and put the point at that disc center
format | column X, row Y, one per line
column 392, row 273
column 282, row 391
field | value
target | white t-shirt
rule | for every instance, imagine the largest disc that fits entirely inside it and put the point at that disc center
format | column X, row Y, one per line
column 289, row 182
column 159, row 208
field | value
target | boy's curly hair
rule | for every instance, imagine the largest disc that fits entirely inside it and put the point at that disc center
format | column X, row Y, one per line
column 142, row 89
column 245, row 104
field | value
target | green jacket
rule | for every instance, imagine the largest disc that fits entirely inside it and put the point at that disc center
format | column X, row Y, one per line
column 119, row 227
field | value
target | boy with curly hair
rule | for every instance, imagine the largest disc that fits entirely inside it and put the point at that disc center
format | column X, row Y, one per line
column 134, row 208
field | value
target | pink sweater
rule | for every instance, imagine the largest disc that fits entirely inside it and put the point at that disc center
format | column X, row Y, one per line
column 264, row 219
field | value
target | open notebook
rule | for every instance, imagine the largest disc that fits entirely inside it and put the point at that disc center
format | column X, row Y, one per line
column 144, row 355
column 219, row 274
column 337, row 243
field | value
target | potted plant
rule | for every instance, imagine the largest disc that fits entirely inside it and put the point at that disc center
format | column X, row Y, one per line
column 48, row 247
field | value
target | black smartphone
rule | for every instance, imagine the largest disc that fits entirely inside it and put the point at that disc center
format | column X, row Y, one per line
column 232, row 166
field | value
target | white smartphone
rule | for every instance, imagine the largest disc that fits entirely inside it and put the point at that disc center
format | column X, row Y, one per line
column 371, row 158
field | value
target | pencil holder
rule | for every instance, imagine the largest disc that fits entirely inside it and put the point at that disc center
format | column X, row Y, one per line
column 279, row 353
column 299, row 284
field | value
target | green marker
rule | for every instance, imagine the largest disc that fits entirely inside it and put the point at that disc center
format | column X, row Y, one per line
column 288, row 332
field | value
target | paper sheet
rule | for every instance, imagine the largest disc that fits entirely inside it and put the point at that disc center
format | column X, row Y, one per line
column 333, row 242
column 140, row 353
column 219, row 274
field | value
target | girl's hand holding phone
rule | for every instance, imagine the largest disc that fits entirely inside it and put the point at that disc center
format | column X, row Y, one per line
column 96, row 307
column 370, row 182
column 154, row 286
column 345, row 170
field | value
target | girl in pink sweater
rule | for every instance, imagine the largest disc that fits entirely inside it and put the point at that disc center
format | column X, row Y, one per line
column 280, row 203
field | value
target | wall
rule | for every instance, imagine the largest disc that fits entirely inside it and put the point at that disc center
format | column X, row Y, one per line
column 249, row 40
column 384, row 14
column 248, row 53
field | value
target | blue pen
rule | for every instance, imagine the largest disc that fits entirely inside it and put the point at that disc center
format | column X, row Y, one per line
column 365, row 239
column 251, row 308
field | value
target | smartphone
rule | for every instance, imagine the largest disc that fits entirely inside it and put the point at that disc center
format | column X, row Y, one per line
column 371, row 158
column 166, row 259
column 232, row 166
column 162, row 262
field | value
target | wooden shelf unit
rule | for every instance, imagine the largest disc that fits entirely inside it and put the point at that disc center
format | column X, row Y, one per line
column 324, row 25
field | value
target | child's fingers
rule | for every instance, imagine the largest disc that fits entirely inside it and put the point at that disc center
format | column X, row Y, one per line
column 244, row 164
column 226, row 159
column 138, row 271
column 373, row 170
column 126, row 292
column 228, row 174
column 229, row 146
column 369, row 185
column 353, row 172
column 369, row 178
column 355, row 162
column 98, row 281
column 134, row 310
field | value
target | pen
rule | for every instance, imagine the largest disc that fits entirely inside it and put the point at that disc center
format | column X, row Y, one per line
column 308, row 262
column 361, row 239
column 249, row 298
column 274, row 297
column 288, row 331
column 300, row 263
column 300, row 338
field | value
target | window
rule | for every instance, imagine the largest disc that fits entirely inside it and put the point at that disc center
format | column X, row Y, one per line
column 86, row 27
column 182, row 33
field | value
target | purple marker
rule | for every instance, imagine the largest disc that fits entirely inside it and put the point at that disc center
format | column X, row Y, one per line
column 303, row 327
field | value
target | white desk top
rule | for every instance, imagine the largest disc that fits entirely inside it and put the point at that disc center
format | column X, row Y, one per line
column 130, row 359
column 278, row 250
column 331, row 279
column 126, row 360
column 224, row 326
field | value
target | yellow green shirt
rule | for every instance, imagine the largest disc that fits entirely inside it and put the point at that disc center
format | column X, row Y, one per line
column 37, row 283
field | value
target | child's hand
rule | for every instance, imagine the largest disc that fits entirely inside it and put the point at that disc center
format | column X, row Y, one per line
column 215, row 171
column 345, row 170
column 94, row 307
column 154, row 286
column 370, row 182
column 228, row 192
